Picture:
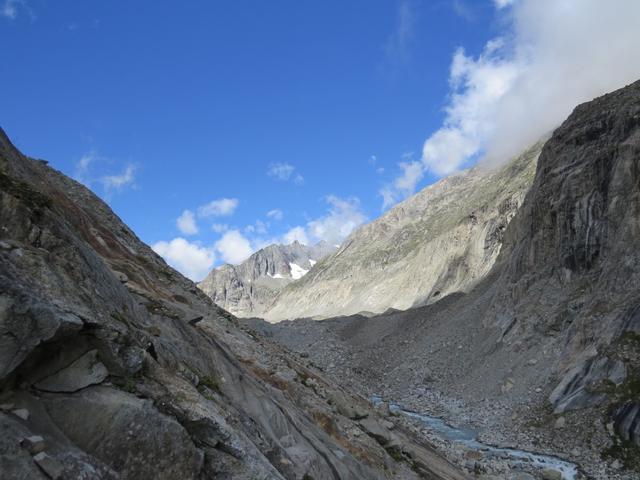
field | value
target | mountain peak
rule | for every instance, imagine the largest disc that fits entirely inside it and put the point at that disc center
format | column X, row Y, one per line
column 248, row 288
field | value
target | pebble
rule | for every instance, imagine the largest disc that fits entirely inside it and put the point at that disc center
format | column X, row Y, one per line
column 34, row 444
column 49, row 465
column 22, row 413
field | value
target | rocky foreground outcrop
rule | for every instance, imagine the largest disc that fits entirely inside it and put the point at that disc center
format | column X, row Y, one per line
column 113, row 365
column 248, row 289
column 442, row 240
column 544, row 352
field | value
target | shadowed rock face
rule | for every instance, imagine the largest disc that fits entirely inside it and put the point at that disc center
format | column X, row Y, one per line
column 442, row 240
column 249, row 289
column 127, row 370
column 572, row 265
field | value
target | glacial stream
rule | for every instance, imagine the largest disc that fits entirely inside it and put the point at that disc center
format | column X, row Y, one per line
column 468, row 438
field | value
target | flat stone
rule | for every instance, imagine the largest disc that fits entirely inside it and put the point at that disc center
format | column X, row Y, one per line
column 376, row 430
column 49, row 465
column 22, row 413
column 5, row 407
column 86, row 370
column 521, row 476
column 549, row 474
column 34, row 444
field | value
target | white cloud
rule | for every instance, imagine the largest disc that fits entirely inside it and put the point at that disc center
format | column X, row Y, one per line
column 552, row 56
column 119, row 181
column 284, row 172
column 190, row 259
column 295, row 234
column 343, row 217
column 187, row 223
column 218, row 208
column 276, row 214
column 219, row 227
column 233, row 247
column 281, row 171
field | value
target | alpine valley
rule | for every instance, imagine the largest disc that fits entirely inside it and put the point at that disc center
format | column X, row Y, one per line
column 487, row 327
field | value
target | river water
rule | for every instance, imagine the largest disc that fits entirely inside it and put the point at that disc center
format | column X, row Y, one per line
column 469, row 438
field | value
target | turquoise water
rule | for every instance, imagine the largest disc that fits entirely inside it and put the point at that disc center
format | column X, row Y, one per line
column 469, row 438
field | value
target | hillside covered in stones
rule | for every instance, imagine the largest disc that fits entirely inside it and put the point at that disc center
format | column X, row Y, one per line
column 114, row 366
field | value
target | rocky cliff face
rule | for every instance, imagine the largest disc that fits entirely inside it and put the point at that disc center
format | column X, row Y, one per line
column 248, row 289
column 113, row 365
column 572, row 267
column 442, row 240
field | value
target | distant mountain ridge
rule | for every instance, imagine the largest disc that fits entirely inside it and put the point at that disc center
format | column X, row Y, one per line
column 249, row 288
column 442, row 240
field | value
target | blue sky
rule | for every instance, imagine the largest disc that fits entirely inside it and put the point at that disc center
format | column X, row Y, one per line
column 214, row 128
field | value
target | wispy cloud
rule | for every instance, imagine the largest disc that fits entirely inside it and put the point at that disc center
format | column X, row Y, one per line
column 121, row 180
column 396, row 48
column 275, row 214
column 10, row 9
column 405, row 184
column 463, row 9
column 83, row 165
column 284, row 172
column 218, row 208
column 296, row 234
column 90, row 170
column 258, row 227
column 219, row 227
column 500, row 4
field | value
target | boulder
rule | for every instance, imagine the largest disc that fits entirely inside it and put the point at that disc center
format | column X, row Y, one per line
column 33, row 444
column 125, row 432
column 22, row 413
column 347, row 408
column 374, row 429
column 86, row 370
column 49, row 465
column 550, row 474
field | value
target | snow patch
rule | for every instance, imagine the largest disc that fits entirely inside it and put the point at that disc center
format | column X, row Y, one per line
column 312, row 262
column 277, row 275
column 297, row 271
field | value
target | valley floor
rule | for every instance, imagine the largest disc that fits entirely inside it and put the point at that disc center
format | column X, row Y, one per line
column 384, row 360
